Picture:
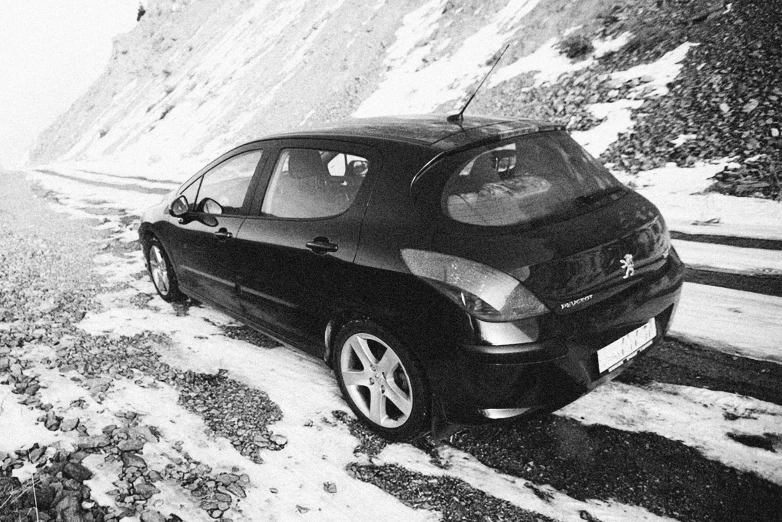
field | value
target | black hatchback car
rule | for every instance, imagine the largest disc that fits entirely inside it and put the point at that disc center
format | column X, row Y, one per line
column 449, row 273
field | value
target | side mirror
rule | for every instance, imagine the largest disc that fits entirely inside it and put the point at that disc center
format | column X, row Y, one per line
column 210, row 206
column 179, row 207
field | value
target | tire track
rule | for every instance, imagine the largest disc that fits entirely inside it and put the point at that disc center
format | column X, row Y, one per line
column 757, row 283
column 689, row 364
column 118, row 186
column 741, row 242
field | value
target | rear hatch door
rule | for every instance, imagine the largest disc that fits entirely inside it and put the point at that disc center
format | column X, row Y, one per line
column 541, row 209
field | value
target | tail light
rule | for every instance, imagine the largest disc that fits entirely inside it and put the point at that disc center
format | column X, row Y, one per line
column 482, row 291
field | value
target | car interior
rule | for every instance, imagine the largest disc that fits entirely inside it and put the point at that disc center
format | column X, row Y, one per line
column 308, row 183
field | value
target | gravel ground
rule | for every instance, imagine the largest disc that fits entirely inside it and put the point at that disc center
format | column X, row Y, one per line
column 642, row 469
column 599, row 462
column 46, row 286
column 454, row 498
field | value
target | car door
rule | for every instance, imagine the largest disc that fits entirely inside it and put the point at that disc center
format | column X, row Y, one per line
column 204, row 244
column 294, row 254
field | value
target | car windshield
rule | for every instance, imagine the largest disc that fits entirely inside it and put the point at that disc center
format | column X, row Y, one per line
column 544, row 175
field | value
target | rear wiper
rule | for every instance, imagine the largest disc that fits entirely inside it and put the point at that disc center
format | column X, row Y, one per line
column 591, row 199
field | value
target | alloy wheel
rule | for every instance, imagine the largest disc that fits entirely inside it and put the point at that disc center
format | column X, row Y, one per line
column 159, row 269
column 376, row 380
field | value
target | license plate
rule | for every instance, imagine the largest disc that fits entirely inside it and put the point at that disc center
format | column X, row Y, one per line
column 619, row 351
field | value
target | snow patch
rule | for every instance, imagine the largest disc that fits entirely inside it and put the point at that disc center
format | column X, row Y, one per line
column 732, row 321
column 617, row 120
column 547, row 62
column 414, row 86
column 680, row 195
column 659, row 73
column 19, row 428
column 318, row 449
column 696, row 417
column 751, row 261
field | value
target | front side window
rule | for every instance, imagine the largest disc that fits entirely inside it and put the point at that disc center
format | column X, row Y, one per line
column 227, row 184
column 191, row 192
column 540, row 176
column 313, row 183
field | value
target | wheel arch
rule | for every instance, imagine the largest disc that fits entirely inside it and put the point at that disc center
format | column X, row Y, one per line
column 334, row 326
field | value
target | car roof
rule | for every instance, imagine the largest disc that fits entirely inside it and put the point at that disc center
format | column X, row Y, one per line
column 433, row 131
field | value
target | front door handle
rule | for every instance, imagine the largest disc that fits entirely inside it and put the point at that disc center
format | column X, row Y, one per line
column 223, row 234
column 322, row 245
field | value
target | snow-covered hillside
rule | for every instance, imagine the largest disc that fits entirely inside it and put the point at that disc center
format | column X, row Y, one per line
column 196, row 77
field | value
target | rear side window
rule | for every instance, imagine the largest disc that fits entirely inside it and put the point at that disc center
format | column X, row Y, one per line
column 312, row 183
column 529, row 178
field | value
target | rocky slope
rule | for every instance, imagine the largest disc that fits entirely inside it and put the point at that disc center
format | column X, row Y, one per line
column 199, row 76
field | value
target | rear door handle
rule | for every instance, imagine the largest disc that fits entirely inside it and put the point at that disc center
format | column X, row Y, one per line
column 322, row 245
column 223, row 234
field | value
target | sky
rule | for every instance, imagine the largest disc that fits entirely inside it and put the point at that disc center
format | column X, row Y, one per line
column 50, row 53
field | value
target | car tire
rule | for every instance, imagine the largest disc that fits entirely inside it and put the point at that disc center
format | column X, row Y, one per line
column 162, row 272
column 381, row 381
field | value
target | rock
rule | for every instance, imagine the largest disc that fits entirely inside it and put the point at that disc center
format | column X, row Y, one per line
column 152, row 516
column 208, row 505
column 35, row 454
column 71, row 484
column 8, row 486
column 236, row 490
column 69, row 424
column 76, row 471
column 97, row 441
column 751, row 106
column 5, row 363
column 69, row 510
column 227, row 478
column 146, row 490
column 143, row 432
column 279, row 440
column 131, row 445
column 330, row 487
column 774, row 134
column 133, row 460
column 43, row 497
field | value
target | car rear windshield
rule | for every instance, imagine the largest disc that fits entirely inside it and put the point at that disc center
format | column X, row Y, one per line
column 544, row 175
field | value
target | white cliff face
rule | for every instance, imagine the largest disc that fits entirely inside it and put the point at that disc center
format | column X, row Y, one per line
column 195, row 78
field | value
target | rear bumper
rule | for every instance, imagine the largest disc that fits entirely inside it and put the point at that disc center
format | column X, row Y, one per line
column 484, row 383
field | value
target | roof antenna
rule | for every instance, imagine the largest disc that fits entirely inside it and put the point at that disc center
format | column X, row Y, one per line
column 458, row 118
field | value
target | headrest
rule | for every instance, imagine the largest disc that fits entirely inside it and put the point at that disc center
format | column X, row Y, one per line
column 305, row 163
